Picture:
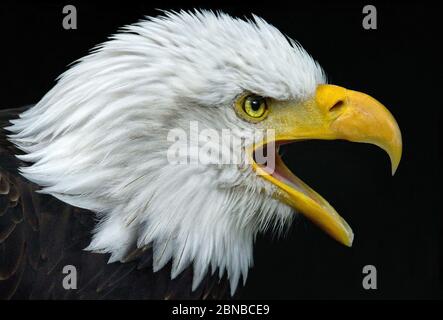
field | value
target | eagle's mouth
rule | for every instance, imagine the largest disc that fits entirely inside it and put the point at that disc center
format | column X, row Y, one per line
column 332, row 113
column 296, row 193
column 283, row 174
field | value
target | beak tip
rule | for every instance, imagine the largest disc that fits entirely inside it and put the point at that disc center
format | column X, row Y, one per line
column 347, row 237
column 395, row 162
column 350, row 240
column 394, row 169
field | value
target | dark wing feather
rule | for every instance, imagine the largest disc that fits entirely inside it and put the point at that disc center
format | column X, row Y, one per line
column 39, row 235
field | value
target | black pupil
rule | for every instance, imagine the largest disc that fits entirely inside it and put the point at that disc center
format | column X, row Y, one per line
column 256, row 103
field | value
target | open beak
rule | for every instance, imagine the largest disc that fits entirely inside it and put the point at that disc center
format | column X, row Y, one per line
column 334, row 113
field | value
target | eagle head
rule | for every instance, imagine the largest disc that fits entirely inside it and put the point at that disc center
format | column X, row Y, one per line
column 170, row 131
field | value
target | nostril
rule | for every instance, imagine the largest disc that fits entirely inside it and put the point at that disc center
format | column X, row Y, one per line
column 337, row 106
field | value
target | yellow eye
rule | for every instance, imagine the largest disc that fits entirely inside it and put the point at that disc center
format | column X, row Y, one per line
column 252, row 108
column 255, row 106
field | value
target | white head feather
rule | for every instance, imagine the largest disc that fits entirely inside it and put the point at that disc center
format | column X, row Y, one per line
column 97, row 140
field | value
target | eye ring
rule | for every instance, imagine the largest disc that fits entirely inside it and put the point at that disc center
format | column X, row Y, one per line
column 253, row 108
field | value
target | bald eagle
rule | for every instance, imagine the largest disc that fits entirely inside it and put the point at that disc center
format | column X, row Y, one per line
column 86, row 175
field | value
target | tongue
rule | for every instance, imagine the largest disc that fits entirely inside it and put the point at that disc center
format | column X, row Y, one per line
column 282, row 173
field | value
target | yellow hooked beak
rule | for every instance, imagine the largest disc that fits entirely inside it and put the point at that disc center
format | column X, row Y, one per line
column 334, row 113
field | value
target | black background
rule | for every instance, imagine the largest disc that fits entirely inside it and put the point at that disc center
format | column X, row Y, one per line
column 396, row 220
